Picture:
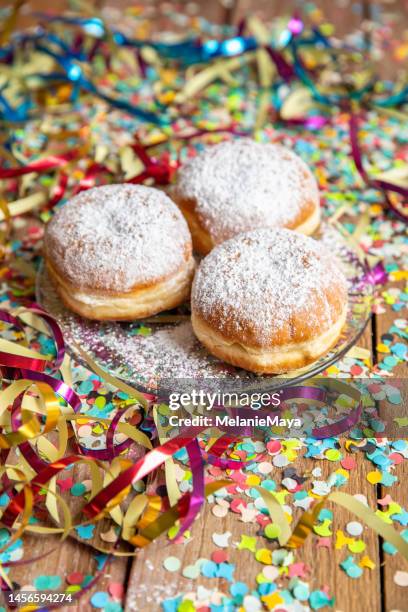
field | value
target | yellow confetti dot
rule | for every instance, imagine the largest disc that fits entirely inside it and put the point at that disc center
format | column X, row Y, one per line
column 366, row 562
column 263, row 555
column 290, row 454
column 98, row 429
column 382, row 348
column 332, row 370
column 374, row 477
column 343, row 473
column 253, row 480
column 272, row 600
column 398, row 275
column 376, row 209
column 341, row 539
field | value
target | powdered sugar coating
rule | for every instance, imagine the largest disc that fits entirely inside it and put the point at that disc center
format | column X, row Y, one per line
column 118, row 237
column 240, row 185
column 269, row 287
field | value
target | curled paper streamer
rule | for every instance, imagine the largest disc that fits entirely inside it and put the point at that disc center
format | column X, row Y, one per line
column 377, row 275
column 41, row 165
column 382, row 185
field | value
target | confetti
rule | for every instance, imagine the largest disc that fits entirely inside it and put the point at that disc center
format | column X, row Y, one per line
column 401, row 578
column 107, row 126
column 172, row 564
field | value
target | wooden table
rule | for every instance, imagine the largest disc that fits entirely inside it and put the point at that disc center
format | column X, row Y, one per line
column 145, row 579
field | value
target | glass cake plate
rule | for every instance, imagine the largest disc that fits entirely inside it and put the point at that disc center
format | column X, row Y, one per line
column 146, row 353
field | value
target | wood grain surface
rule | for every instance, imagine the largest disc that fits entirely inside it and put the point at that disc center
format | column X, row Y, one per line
column 146, row 581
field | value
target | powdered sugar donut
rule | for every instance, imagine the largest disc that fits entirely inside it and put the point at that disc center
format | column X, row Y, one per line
column 240, row 185
column 119, row 252
column 269, row 301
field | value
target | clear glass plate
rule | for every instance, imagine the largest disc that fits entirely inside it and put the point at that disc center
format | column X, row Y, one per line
column 164, row 347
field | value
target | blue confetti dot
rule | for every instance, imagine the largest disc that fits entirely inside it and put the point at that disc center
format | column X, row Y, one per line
column 99, row 599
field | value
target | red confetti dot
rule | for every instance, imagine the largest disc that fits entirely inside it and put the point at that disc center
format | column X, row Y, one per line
column 65, row 483
column 355, row 370
column 237, row 505
column 75, row 578
column 262, row 520
column 219, row 556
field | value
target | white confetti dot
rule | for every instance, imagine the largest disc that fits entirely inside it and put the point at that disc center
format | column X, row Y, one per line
column 321, row 488
column 361, row 498
column 354, row 528
column 172, row 564
column 265, row 467
column 289, row 483
column 401, row 578
column 251, row 603
column 270, row 572
column 219, row 511
column 221, row 539
column 259, row 446
column 280, row 461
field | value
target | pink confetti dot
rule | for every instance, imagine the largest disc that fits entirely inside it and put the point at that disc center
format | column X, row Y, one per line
column 348, row 463
column 116, row 590
column 274, row 446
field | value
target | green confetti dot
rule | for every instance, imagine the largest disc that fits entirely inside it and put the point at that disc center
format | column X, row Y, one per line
column 272, row 531
column 333, row 454
column 78, row 489
column 100, row 402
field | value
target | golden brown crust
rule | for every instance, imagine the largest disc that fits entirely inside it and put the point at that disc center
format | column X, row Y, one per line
column 297, row 329
column 306, row 222
column 202, row 240
column 139, row 303
column 278, row 360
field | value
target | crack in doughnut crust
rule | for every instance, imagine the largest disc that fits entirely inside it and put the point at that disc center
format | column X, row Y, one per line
column 240, row 185
column 113, row 250
column 279, row 297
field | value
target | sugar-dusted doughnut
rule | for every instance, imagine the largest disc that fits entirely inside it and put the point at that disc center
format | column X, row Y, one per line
column 119, row 252
column 269, row 301
column 240, row 185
